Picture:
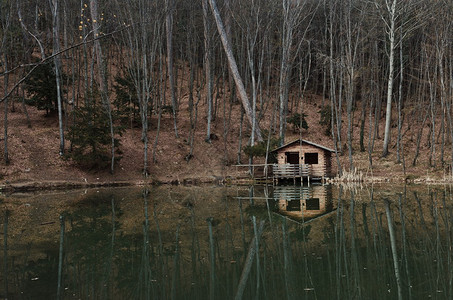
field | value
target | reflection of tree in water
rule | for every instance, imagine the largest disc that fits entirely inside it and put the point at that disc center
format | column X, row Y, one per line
column 90, row 244
column 105, row 264
column 35, row 276
column 301, row 233
column 346, row 254
column 30, row 277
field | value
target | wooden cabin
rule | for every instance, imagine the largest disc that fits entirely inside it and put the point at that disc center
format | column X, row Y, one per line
column 302, row 159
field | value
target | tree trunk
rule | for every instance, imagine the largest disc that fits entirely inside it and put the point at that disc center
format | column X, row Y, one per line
column 226, row 118
column 388, row 110
column 234, row 69
column 54, row 5
column 191, row 82
column 161, row 100
column 443, row 96
column 333, row 95
column 5, row 121
column 351, row 54
column 207, row 66
column 102, row 77
column 433, row 111
column 241, row 123
column 362, row 124
column 169, row 32
column 449, row 111
column 283, row 90
column 419, row 138
column 400, row 100
column 371, row 131
column 5, row 23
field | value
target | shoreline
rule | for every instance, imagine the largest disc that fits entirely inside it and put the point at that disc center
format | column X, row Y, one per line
column 34, row 186
column 50, row 185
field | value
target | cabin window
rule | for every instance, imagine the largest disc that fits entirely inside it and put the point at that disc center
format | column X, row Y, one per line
column 312, row 204
column 292, row 158
column 311, row 158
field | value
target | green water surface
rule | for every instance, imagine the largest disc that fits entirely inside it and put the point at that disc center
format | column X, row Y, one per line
column 169, row 242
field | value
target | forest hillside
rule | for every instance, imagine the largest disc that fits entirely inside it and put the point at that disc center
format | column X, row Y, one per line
column 183, row 91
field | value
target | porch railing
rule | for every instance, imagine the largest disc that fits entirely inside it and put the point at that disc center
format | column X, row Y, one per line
column 290, row 170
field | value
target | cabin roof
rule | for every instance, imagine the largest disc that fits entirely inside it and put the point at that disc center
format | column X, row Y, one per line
column 306, row 142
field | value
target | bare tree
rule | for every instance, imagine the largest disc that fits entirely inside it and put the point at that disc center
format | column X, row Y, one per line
column 449, row 90
column 391, row 13
column 335, row 121
column 5, row 21
column 234, row 69
column 55, row 8
column 169, row 5
column 432, row 91
column 33, row 33
column 389, row 18
column 257, row 25
column 400, row 102
column 142, row 39
column 443, row 26
column 102, row 76
column 443, row 50
column 207, row 66
column 292, row 14
column 353, row 37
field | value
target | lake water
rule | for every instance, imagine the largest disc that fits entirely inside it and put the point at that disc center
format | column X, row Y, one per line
column 318, row 242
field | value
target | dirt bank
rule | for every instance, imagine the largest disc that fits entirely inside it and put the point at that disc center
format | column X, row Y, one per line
column 35, row 163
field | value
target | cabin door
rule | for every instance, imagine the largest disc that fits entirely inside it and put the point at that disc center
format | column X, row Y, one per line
column 292, row 158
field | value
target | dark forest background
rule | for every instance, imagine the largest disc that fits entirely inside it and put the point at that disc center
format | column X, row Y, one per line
column 381, row 72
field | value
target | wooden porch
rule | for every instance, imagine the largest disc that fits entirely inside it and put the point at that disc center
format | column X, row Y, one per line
column 278, row 173
column 291, row 172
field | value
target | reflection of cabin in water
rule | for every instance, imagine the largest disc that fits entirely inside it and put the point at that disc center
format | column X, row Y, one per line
column 302, row 159
column 302, row 202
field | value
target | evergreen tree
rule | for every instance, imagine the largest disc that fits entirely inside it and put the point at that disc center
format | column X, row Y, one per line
column 42, row 88
column 90, row 136
column 326, row 119
column 298, row 121
column 126, row 101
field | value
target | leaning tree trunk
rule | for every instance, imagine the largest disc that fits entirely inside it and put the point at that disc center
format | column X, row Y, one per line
column 234, row 69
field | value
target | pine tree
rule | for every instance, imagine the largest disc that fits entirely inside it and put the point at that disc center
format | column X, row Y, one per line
column 126, row 100
column 90, row 136
column 42, row 88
